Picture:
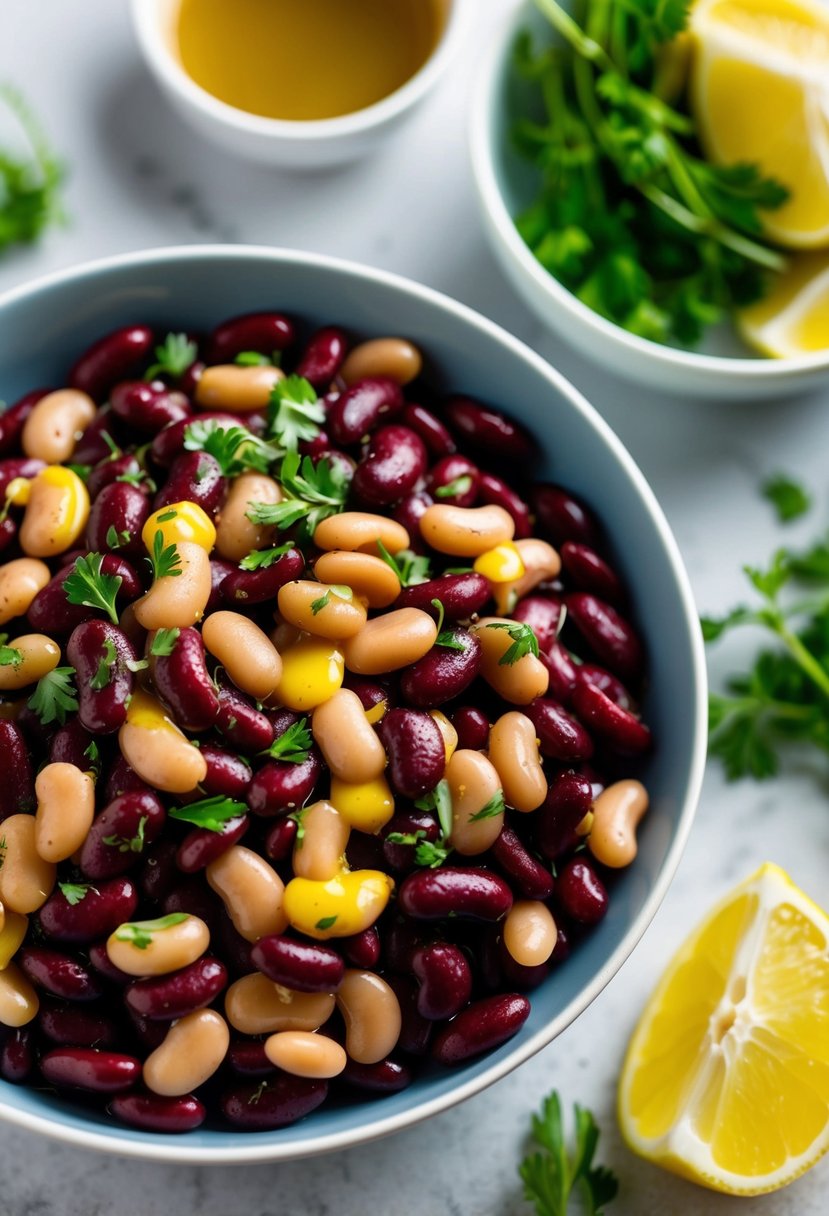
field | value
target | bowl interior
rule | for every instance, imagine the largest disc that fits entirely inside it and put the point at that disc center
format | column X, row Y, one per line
column 43, row 328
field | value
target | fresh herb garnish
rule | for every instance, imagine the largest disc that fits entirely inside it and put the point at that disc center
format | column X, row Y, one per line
column 455, row 488
column 262, row 559
column 252, row 358
column 54, row 697
column 29, row 188
column 139, row 933
column 524, row 642
column 131, row 844
column 552, row 1175
column 75, row 892
column 89, row 586
column 317, row 605
column 293, row 745
column 165, row 560
column 326, row 922
column 789, row 499
column 297, row 818
column 164, row 642
column 173, row 357
column 10, row 656
column 446, row 637
column 103, row 675
column 427, row 853
column 93, row 755
column 412, row 569
column 495, row 806
column 116, row 539
column 80, row 470
column 294, row 413
column 210, row 813
column 234, row 448
column 440, row 800
column 316, row 491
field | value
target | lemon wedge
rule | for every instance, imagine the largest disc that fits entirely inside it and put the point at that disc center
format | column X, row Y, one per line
column 793, row 317
column 726, row 1079
column 760, row 93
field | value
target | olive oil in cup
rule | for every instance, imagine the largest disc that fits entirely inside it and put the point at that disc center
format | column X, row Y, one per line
column 305, row 60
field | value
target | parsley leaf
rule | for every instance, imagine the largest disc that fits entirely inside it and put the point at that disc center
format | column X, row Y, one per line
column 103, row 675
column 326, row 922
column 88, row 585
column 317, row 605
column 262, row 559
column 165, row 560
column 455, row 488
column 439, row 799
column 164, row 642
column 427, row 853
column 234, row 448
column 293, row 745
column 495, row 806
column 315, row 491
column 10, row 656
column 294, row 413
column 524, row 642
column 551, row 1175
column 210, row 813
column 129, row 844
column 116, row 539
column 139, row 933
column 74, row 892
column 29, row 188
column 173, row 357
column 789, row 499
column 54, row 697
column 412, row 569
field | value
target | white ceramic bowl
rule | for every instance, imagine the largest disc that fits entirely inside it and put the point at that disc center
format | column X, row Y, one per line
column 724, row 367
column 306, row 145
column 43, row 327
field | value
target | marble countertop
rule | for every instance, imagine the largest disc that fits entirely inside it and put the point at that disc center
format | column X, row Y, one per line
column 140, row 179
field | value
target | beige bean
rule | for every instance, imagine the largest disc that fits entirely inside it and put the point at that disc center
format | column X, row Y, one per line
column 38, row 656
column 541, row 562
column 474, row 786
column 256, row 1005
column 18, row 999
column 56, row 512
column 13, row 929
column 370, row 578
column 304, row 1054
column 236, row 535
column 160, row 753
column 520, row 682
column 178, row 600
column 65, row 810
column 157, row 947
column 319, row 850
column 3, row 925
column 393, row 357
column 450, row 735
column 513, row 749
column 247, row 654
column 359, row 531
column 320, row 609
column 251, row 891
column 229, row 386
column 390, row 642
column 371, row 1013
column 350, row 746
column 530, row 933
column 616, row 815
column 191, row 1052
column 20, row 581
column 56, row 424
column 466, row 531
column 26, row 880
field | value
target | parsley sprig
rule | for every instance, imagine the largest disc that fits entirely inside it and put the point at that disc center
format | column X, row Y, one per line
column 75, row 892
column 449, row 639
column 88, row 585
column 294, row 413
column 55, row 696
column 523, row 638
column 788, row 497
column 262, row 559
column 430, row 853
column 139, row 933
column 210, row 813
column 129, row 844
column 173, row 357
column 293, row 745
column 315, row 491
column 412, row 569
column 164, row 559
column 30, row 186
column 164, row 642
column 10, row 656
column 235, row 448
column 495, row 806
column 551, row 1175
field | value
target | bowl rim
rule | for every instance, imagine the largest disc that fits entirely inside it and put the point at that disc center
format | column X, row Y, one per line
column 167, row 68
column 250, row 1149
column 482, row 144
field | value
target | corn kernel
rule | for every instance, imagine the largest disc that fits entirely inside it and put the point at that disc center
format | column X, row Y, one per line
column 367, row 806
column 341, row 907
column 180, row 521
column 312, row 671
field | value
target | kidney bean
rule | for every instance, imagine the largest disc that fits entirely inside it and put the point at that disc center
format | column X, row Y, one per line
column 190, row 895
column 201, row 846
column 17, row 1055
column 50, row 612
column 121, row 779
column 150, row 1034
column 58, row 974
column 120, row 833
column 416, row 751
column 107, row 472
column 169, row 442
column 364, row 852
column 590, row 572
column 471, row 893
column 279, row 787
column 610, row 685
column 525, row 872
column 228, row 775
column 607, row 633
column 450, row 470
column 407, row 823
column 274, row 1103
column 580, row 892
column 263, row 332
column 620, row 728
column 100, row 652
column 415, row 1029
column 369, row 692
column 99, row 959
column 563, row 672
column 8, row 532
column 385, row 1077
column 323, row 356
column 123, row 508
column 18, row 466
column 493, row 491
column 110, row 358
column 13, row 417
column 104, row 1072
column 429, row 427
column 247, row 1058
column 247, row 728
column 393, row 463
column 472, row 726
column 102, row 910
column 181, row 678
column 462, row 595
column 153, row 1113
column 361, row 408
column 17, row 788
column 70, row 744
column 489, row 431
column 561, row 737
column 484, row 1025
column 249, row 587
column 219, row 570
column 362, row 949
column 194, row 477
column 521, row 977
column 76, row 1026
column 148, row 406
column 167, row 997
column 92, row 447
column 280, row 840
column 443, row 673
column 409, row 512
column 560, row 516
column 544, row 614
column 445, row 980
column 300, row 966
column 569, row 798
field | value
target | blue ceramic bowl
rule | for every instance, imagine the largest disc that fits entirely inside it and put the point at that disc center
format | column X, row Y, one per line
column 43, row 327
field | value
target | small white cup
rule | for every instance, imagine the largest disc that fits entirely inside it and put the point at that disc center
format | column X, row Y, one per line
column 275, row 141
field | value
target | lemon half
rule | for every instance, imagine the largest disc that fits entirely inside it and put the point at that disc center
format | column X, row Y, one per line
column 793, row 317
column 726, row 1079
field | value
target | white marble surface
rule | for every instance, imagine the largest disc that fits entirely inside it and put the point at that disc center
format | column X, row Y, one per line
column 139, row 179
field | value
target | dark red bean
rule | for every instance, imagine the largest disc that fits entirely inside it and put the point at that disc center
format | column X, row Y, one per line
column 152, row 1113
column 97, row 441
column 148, row 406
column 620, row 728
column 17, row 787
column 493, row 491
column 194, row 477
column 18, row 466
column 193, row 896
column 369, row 692
column 561, row 517
column 302, row 966
column 17, row 1055
column 249, row 587
column 76, row 1025
column 58, row 974
column 401, row 938
column 110, row 359
column 444, row 672
column 471, row 893
column 416, row 751
column 415, row 1029
column 99, row 959
column 246, row 727
column 219, row 570
column 533, row 880
column 120, row 833
column 323, row 357
column 201, row 846
column 580, row 892
column 569, row 798
column 407, row 823
column 102, row 658
column 115, row 521
column 169, row 442
column 409, row 512
column 445, row 980
column 159, row 872
column 429, row 427
column 279, row 842
column 8, row 532
column 50, row 612
column 486, row 1024
column 562, row 671
column 228, row 775
column 121, row 779
column 167, row 997
column 73, row 744
column 462, row 595
column 247, row 1058
column 607, row 633
column 13, row 418
column 386, row 1077
column 150, row 1034
column 523, row 979
column 362, row 949
column 279, row 787
column 610, row 685
column 362, row 407
column 590, row 572
column 102, row 909
column 472, row 726
column 454, row 479
column 364, row 852
column 108, row 471
column 101, row 1072
column 263, row 332
column 392, row 465
column 182, row 680
column 560, row 736
column 543, row 614
column 272, row 1103
column 487, row 430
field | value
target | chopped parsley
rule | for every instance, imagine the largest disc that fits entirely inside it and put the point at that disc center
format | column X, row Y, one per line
column 173, row 357
column 293, row 745
column 164, row 642
column 412, row 569
column 104, row 673
column 294, row 412
column 524, row 642
column 165, row 560
column 55, row 696
column 139, row 933
column 88, row 585
column 262, row 559
column 209, row 813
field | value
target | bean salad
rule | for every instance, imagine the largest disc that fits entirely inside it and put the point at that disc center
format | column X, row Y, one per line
column 318, row 738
